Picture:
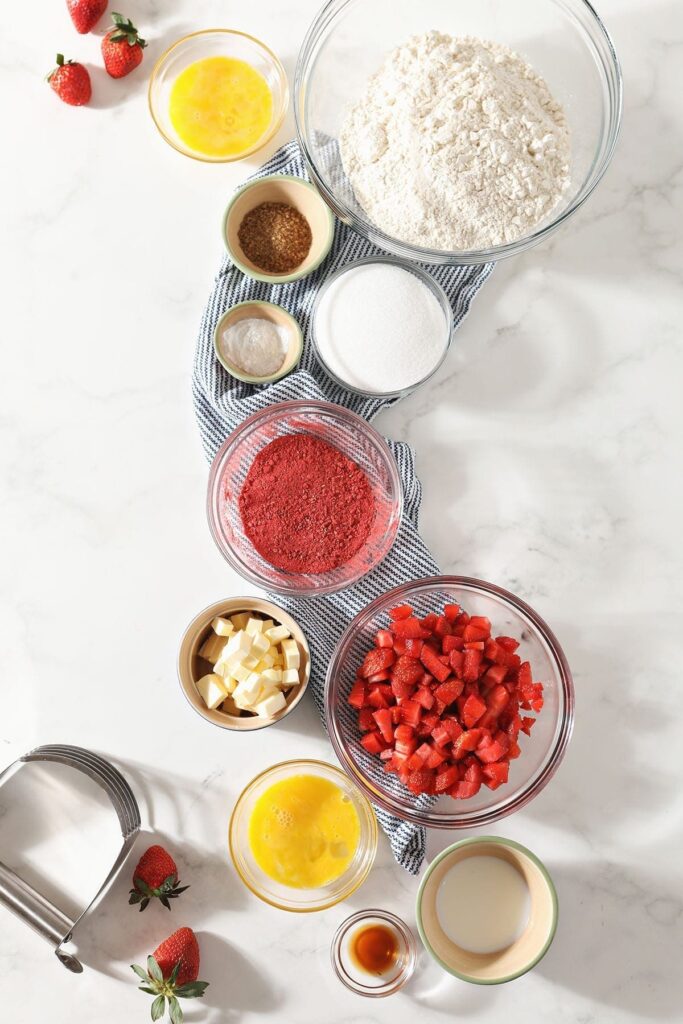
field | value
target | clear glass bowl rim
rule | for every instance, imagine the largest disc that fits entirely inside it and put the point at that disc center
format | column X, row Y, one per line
column 267, row 135
column 370, row 853
column 611, row 69
column 429, row 282
column 215, row 475
column 404, row 931
column 426, row 817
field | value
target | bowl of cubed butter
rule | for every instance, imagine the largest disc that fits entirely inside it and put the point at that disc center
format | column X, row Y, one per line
column 243, row 663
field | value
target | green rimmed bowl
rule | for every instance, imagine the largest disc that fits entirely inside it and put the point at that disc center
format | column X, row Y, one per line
column 279, row 188
column 260, row 310
column 521, row 955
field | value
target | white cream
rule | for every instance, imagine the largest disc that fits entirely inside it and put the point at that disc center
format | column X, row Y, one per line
column 483, row 904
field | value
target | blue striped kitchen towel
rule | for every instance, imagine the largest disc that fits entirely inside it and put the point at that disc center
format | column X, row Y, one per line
column 221, row 403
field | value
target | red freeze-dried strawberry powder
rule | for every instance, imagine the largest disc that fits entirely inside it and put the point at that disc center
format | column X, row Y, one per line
column 305, row 506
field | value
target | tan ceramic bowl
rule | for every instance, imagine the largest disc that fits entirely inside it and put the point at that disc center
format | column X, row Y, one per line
column 191, row 667
column 521, row 955
column 262, row 311
column 279, row 188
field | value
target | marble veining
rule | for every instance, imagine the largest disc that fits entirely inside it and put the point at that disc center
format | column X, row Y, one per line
column 549, row 450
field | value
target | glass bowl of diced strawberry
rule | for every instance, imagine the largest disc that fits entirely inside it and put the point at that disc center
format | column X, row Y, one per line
column 450, row 702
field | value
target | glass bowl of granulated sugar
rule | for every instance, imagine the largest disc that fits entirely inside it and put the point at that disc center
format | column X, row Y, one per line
column 456, row 133
column 381, row 326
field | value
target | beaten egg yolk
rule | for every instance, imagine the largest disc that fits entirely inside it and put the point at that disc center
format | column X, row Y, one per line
column 304, row 831
column 220, row 106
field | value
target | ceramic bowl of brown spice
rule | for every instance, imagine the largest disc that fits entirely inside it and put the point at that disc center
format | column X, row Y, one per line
column 278, row 229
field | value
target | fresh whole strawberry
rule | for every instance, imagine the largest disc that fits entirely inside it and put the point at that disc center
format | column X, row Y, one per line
column 172, row 973
column 86, row 13
column 122, row 47
column 155, row 877
column 71, row 82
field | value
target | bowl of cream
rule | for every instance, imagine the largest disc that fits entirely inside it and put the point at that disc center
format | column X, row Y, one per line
column 258, row 342
column 487, row 910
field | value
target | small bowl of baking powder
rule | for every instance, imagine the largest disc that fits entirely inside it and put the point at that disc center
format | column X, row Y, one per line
column 381, row 326
column 258, row 342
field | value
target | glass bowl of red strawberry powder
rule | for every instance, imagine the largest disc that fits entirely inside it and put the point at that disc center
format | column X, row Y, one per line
column 539, row 753
column 304, row 498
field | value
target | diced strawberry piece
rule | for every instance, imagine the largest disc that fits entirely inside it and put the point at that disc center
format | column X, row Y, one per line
column 497, row 772
column 472, row 632
column 435, row 759
column 473, row 772
column 433, row 664
column 386, row 755
column 491, row 649
column 403, row 733
column 493, row 752
column 481, row 622
column 376, row 698
column 527, row 724
column 384, row 638
column 425, row 698
column 515, row 750
column 415, row 762
column 468, row 740
column 384, row 724
column 441, row 735
column 452, row 727
column 445, row 779
column 508, row 643
column 471, row 666
column 401, row 690
column 395, row 713
column 472, row 711
column 400, row 645
column 410, row 712
column 408, row 670
column 373, row 742
column 429, row 721
column 423, row 751
column 442, row 627
column 451, row 611
column 457, row 660
column 537, row 704
column 462, row 619
column 421, row 781
column 524, row 677
column 413, row 646
column 358, row 695
column 401, row 611
column 429, row 621
column 496, row 674
column 450, row 691
column 379, row 677
column 365, row 720
column 474, row 645
column 410, row 628
column 451, row 643
column 376, row 660
column 464, row 790
column 497, row 699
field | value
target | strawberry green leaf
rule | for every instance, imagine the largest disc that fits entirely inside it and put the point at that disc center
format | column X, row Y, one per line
column 140, row 971
column 174, row 973
column 192, row 989
column 158, row 1007
column 153, row 969
column 175, row 1011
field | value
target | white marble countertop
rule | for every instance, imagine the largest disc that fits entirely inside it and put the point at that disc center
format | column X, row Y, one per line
column 559, row 413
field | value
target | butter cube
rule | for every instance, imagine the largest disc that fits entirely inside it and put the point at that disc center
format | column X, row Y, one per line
column 251, row 661
column 277, row 633
column 272, row 676
column 241, row 673
column 249, row 691
column 212, row 647
column 265, row 662
column 240, row 619
column 229, row 682
column 211, row 690
column 260, row 645
column 223, row 627
column 270, row 706
column 290, row 652
column 267, row 624
column 290, row 677
column 254, row 626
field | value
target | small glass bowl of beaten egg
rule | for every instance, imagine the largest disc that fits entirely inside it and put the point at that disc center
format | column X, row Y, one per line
column 218, row 95
column 302, row 836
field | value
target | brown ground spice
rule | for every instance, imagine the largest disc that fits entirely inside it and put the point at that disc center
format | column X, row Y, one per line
column 276, row 237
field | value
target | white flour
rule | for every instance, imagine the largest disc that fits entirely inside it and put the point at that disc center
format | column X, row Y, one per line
column 456, row 144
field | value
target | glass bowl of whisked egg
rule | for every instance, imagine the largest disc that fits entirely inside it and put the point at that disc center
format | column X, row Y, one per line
column 448, row 132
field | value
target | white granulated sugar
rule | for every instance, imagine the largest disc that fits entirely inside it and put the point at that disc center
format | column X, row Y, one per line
column 255, row 346
column 456, row 144
column 379, row 328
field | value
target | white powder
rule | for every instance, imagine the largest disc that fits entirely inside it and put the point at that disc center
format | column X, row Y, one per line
column 379, row 328
column 456, row 144
column 257, row 347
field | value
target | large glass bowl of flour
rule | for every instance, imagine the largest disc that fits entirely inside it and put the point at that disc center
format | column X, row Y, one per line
column 424, row 188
